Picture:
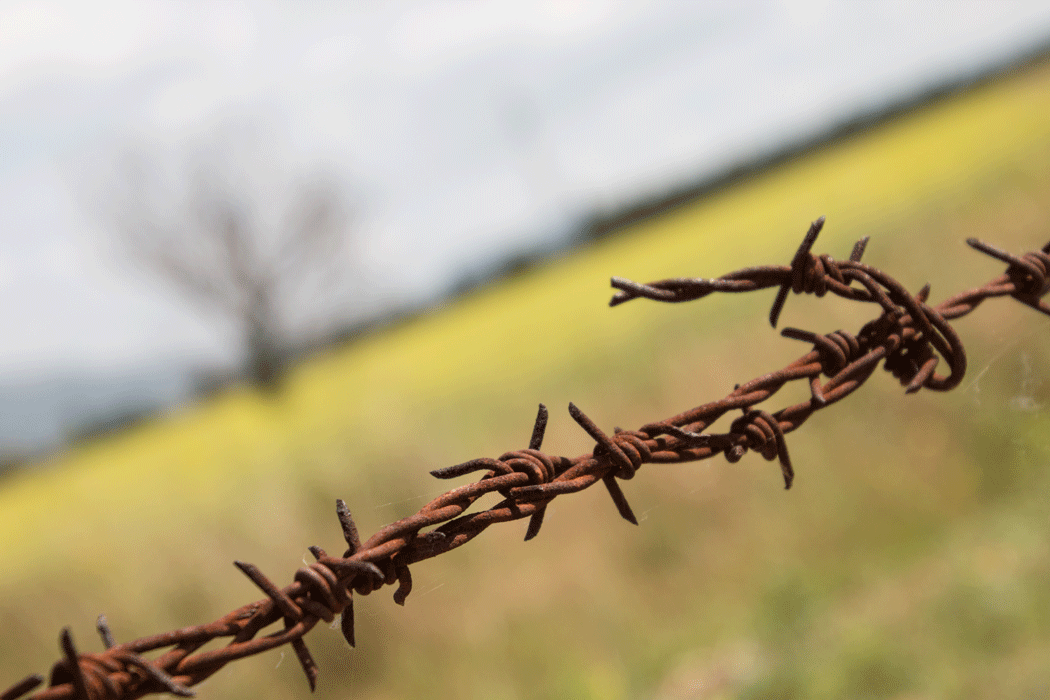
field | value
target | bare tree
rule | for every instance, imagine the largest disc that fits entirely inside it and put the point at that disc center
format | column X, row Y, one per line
column 252, row 253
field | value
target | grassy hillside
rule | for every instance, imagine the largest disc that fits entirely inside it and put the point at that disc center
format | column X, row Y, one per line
column 911, row 559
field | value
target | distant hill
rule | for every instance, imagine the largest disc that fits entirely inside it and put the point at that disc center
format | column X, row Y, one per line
column 39, row 414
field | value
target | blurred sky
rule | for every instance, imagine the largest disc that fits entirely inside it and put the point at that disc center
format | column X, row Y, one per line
column 465, row 130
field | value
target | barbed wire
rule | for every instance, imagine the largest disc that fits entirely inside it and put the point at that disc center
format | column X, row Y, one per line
column 909, row 337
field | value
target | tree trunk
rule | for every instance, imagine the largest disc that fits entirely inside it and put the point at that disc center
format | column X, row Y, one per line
column 266, row 361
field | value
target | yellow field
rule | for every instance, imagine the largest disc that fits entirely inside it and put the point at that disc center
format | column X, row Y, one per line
column 911, row 559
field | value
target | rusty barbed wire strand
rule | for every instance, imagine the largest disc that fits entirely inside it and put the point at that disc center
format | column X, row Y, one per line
column 909, row 337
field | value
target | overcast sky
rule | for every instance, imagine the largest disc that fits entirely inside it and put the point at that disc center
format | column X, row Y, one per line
column 464, row 129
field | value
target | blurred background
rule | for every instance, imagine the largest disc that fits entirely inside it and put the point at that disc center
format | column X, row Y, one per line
column 260, row 256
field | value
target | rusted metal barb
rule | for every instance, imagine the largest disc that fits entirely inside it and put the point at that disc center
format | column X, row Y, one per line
column 909, row 338
column 798, row 270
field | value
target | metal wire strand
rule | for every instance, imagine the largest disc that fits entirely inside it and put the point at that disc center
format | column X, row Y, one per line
column 909, row 337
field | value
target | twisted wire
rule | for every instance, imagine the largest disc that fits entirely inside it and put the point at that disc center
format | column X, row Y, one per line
column 909, row 337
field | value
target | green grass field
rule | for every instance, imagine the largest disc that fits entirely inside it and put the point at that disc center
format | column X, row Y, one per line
column 910, row 560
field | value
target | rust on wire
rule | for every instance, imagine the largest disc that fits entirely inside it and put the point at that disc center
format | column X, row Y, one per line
column 910, row 338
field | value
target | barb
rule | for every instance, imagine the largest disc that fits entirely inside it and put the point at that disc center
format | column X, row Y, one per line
column 909, row 337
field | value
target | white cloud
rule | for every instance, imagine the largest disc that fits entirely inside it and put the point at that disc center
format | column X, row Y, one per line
column 435, row 34
column 48, row 37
